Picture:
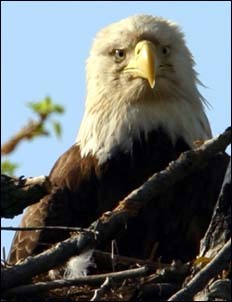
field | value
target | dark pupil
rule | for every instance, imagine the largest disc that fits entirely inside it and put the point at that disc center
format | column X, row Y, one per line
column 120, row 53
column 165, row 50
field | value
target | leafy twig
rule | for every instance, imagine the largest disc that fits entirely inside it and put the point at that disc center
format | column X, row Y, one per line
column 34, row 128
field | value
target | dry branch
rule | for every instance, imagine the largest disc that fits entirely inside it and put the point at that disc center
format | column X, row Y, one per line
column 163, row 283
column 91, row 280
column 219, row 230
column 45, row 261
column 188, row 162
column 220, row 262
column 18, row 193
column 219, row 290
column 47, row 228
column 110, row 222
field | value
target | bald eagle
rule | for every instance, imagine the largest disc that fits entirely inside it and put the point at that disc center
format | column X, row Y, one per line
column 143, row 109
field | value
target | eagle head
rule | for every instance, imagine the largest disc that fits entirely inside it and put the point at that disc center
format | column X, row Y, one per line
column 140, row 76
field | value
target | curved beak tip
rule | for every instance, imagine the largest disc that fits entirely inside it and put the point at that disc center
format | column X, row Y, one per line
column 152, row 83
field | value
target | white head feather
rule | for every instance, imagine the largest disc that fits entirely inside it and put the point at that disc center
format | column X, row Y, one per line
column 118, row 107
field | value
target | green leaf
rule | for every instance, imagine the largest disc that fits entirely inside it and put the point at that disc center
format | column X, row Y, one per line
column 45, row 107
column 34, row 106
column 7, row 167
column 57, row 128
column 58, row 108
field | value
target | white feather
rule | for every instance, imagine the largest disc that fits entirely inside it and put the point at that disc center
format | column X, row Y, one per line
column 78, row 266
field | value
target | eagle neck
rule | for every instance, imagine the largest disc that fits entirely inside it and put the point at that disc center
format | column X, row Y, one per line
column 107, row 128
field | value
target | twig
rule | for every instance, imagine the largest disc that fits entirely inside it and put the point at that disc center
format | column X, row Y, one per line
column 33, row 128
column 99, row 292
column 4, row 254
column 105, row 257
column 220, row 262
column 113, row 247
column 90, row 280
column 52, row 228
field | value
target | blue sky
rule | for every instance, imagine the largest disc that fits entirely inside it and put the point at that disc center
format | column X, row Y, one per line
column 44, row 48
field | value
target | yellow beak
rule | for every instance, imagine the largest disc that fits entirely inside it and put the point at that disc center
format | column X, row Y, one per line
column 142, row 63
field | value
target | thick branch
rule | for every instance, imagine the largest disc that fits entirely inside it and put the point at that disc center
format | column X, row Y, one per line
column 188, row 162
column 18, row 193
column 45, row 261
column 219, row 230
column 220, row 262
column 110, row 222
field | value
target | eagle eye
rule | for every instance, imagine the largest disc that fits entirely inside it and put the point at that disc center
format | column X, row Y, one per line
column 165, row 50
column 119, row 55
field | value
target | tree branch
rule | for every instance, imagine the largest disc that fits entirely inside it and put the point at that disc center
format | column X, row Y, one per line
column 188, row 162
column 43, row 262
column 52, row 228
column 18, row 193
column 219, row 229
